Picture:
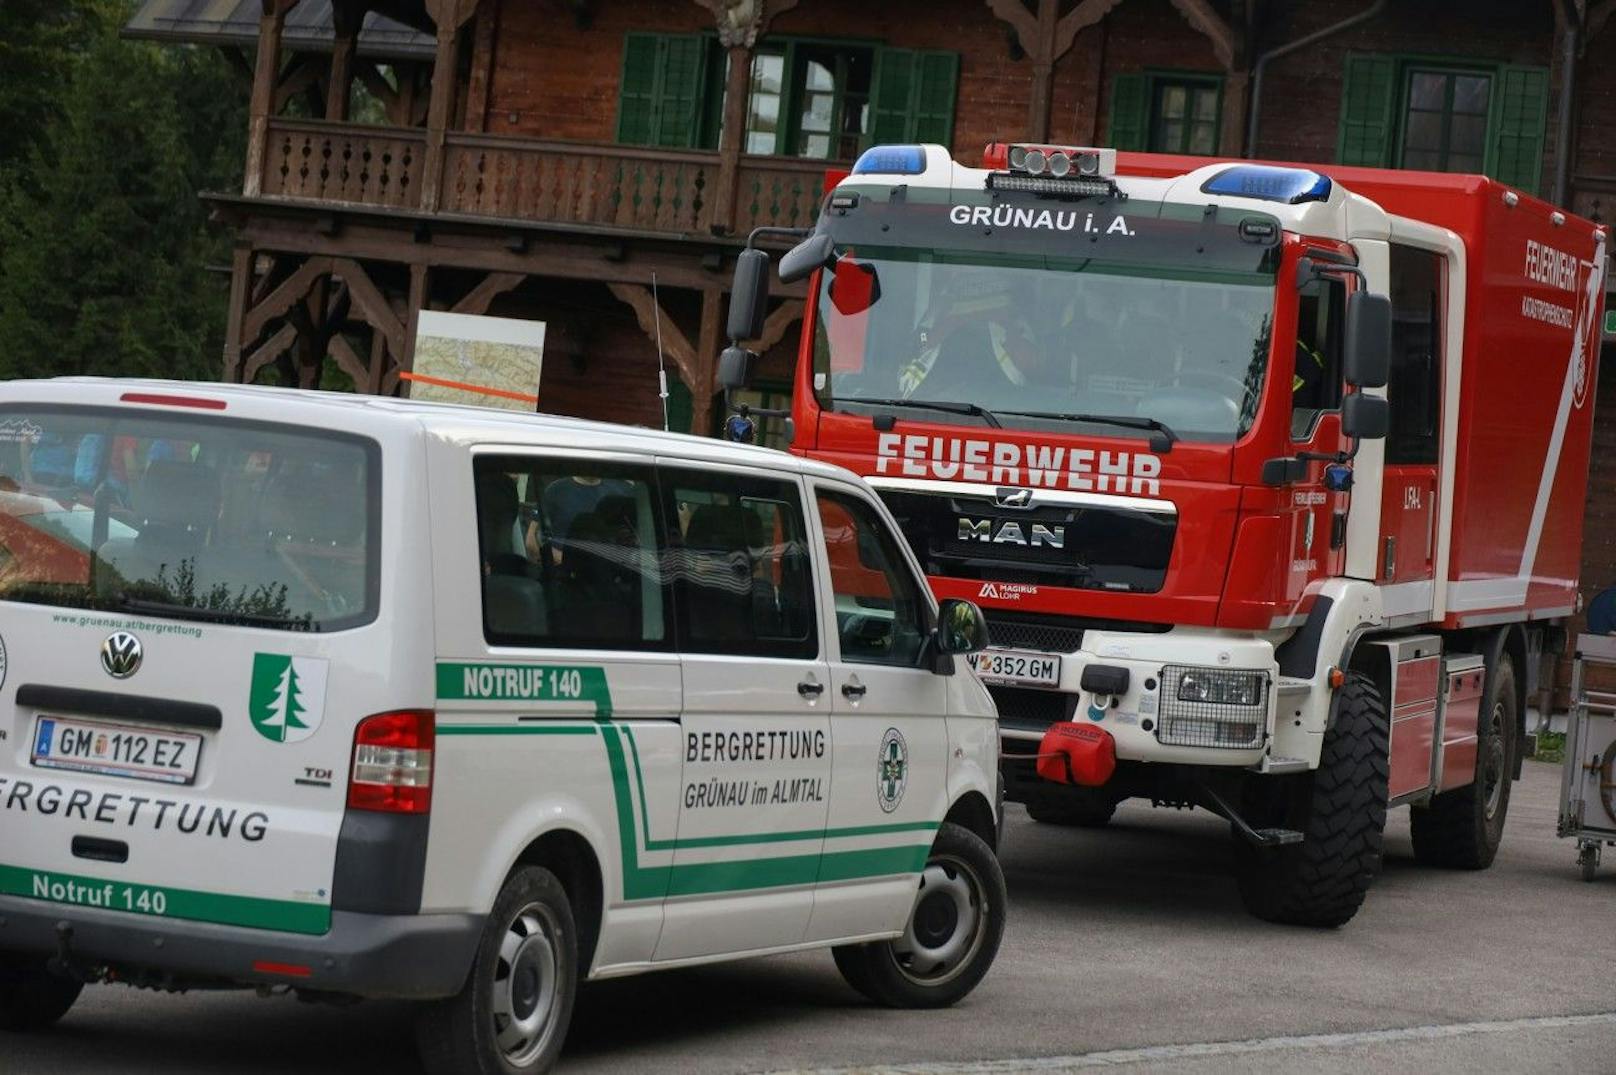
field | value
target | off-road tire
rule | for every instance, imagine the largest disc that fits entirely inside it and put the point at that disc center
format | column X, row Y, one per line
column 459, row 1035
column 1461, row 829
column 883, row 972
column 1077, row 810
column 1340, row 809
column 31, row 997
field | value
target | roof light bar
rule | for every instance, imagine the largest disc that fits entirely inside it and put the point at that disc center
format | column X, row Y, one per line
column 1266, row 183
column 1070, row 187
column 1057, row 162
column 891, row 160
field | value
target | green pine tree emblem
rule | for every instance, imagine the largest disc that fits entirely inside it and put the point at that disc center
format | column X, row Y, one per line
column 277, row 705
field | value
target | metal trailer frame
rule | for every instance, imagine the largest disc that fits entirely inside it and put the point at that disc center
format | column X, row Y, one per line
column 1588, row 777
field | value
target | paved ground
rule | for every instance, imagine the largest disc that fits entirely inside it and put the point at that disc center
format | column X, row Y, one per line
column 1126, row 947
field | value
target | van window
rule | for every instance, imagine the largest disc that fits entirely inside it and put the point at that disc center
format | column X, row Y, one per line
column 881, row 614
column 569, row 554
column 195, row 518
column 743, row 577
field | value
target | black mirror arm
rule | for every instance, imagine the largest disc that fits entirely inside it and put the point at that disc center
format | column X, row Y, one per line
column 780, row 233
column 746, row 410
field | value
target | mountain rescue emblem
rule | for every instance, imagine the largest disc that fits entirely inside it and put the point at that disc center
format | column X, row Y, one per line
column 287, row 700
column 892, row 770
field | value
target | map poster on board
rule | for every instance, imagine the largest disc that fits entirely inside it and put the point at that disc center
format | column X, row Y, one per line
column 483, row 361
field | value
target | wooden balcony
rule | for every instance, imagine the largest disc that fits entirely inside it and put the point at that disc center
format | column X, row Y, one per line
column 638, row 189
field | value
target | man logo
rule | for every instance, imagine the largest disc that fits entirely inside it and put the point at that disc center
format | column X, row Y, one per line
column 121, row 655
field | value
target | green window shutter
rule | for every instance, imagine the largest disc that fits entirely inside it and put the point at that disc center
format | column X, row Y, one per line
column 1129, row 128
column 1521, row 109
column 660, row 96
column 892, row 87
column 1368, row 97
column 636, row 93
column 932, row 117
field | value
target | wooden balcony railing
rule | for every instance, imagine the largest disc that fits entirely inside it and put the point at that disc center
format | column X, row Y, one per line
column 642, row 189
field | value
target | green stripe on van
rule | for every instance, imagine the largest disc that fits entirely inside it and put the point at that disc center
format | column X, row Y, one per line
column 485, row 682
column 163, row 901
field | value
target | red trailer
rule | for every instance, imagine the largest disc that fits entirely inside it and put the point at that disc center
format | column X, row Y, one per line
column 1272, row 474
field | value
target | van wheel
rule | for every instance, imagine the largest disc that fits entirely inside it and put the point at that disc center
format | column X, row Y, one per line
column 1340, row 809
column 512, row 1015
column 31, row 997
column 1462, row 828
column 952, row 935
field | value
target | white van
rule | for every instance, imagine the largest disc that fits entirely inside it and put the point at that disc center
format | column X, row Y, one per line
column 369, row 698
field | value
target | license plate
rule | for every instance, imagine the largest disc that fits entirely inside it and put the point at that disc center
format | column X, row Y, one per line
column 1017, row 666
column 90, row 746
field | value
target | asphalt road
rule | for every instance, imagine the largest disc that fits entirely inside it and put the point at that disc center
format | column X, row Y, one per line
column 1126, row 947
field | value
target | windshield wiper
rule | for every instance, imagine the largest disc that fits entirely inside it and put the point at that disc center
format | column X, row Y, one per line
column 216, row 615
column 973, row 409
column 1162, row 440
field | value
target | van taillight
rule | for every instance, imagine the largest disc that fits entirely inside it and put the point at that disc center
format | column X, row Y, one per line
column 392, row 763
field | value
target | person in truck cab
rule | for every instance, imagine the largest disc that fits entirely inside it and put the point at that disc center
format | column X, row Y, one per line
column 974, row 336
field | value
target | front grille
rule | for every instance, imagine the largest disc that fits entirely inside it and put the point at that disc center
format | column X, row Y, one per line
column 1205, row 724
column 1054, row 634
column 1031, row 710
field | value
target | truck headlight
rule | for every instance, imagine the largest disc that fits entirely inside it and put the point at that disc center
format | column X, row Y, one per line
column 1215, row 686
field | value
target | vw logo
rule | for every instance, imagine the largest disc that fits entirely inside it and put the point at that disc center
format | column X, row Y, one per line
column 1010, row 497
column 120, row 655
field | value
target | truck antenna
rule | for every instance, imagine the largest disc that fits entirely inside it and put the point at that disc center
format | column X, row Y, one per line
column 662, row 362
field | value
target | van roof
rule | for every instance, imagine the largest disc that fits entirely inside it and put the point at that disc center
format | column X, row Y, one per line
column 454, row 422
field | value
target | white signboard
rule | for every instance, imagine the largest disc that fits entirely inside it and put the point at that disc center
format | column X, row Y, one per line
column 485, row 361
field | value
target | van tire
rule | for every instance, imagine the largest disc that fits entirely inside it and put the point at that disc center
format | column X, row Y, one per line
column 31, row 997
column 1341, row 810
column 961, row 878
column 531, row 926
column 1462, row 828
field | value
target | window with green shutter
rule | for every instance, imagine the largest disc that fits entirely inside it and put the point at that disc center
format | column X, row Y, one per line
column 662, row 97
column 1442, row 114
column 1166, row 112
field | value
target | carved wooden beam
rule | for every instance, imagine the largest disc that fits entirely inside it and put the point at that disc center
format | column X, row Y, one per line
column 493, row 285
column 348, row 360
column 674, row 342
column 370, row 302
column 1045, row 36
column 1597, row 17
column 777, row 324
column 302, row 74
column 285, row 295
column 741, row 22
column 449, row 14
column 1199, row 14
column 267, row 352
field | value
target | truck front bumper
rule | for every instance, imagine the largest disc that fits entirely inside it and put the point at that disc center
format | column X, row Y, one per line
column 415, row 957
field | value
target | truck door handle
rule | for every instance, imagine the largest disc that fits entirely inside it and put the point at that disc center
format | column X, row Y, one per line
column 853, row 691
column 809, row 689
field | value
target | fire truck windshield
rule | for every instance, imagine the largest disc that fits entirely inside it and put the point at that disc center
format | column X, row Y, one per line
column 1165, row 318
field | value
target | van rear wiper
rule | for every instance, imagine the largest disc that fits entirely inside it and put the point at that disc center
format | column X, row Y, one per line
column 216, row 615
column 1162, row 441
column 976, row 410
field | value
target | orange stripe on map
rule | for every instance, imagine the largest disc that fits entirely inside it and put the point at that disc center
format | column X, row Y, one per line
column 443, row 382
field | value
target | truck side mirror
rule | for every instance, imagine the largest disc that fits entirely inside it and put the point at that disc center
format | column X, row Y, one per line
column 961, row 627
column 1365, row 417
column 801, row 260
column 1369, row 340
column 749, row 295
column 735, row 367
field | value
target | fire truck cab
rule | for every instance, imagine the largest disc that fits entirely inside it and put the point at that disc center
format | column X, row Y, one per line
column 1269, row 478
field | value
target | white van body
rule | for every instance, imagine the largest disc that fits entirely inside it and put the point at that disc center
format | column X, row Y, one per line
column 696, row 804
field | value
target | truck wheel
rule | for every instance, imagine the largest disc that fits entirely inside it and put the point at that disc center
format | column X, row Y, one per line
column 31, row 997
column 1084, row 811
column 1341, row 810
column 1462, row 828
column 952, row 935
column 512, row 1015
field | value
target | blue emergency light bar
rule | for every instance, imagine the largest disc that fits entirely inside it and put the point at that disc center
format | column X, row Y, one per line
column 891, row 160
column 1269, row 184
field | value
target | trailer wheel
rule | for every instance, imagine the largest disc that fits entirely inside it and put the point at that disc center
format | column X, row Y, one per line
column 1082, row 808
column 952, row 935
column 31, row 997
column 512, row 1015
column 1340, row 809
column 1461, row 829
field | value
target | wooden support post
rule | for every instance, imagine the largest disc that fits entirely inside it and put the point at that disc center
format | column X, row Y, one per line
column 405, row 355
column 733, row 140
column 266, row 72
column 703, row 391
column 241, row 273
column 475, row 117
column 450, row 17
column 1236, row 91
column 346, row 17
column 1045, row 36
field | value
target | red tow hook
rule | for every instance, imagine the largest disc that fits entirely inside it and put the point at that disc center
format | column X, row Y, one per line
column 1073, row 753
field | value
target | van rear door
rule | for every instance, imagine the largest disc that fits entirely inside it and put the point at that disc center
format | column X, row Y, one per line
column 189, row 614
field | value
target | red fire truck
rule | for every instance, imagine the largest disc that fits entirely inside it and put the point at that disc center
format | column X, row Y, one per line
column 1269, row 478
